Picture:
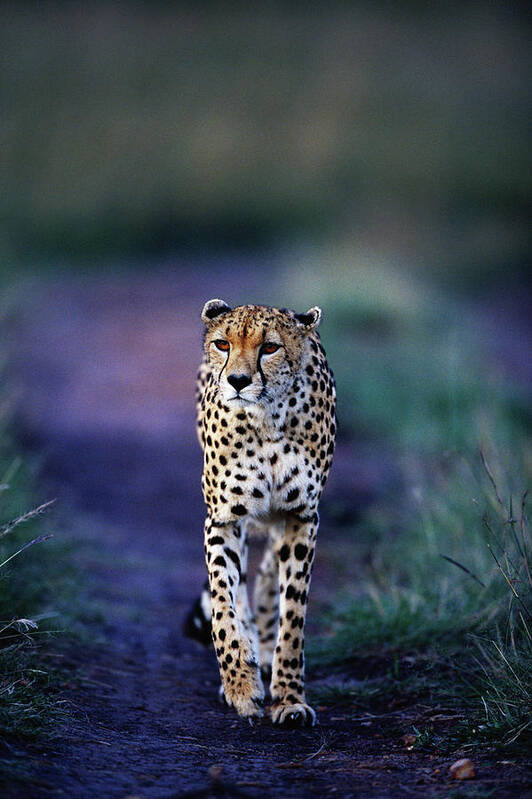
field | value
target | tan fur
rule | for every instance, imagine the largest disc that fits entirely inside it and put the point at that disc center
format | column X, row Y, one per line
column 266, row 422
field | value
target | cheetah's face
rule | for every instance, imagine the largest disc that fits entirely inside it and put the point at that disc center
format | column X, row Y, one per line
column 255, row 352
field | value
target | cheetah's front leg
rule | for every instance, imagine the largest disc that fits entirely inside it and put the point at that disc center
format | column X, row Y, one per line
column 296, row 554
column 237, row 660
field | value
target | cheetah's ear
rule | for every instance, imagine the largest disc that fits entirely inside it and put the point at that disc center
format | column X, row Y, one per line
column 212, row 309
column 311, row 319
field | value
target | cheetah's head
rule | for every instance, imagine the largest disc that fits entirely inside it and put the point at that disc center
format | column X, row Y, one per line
column 255, row 352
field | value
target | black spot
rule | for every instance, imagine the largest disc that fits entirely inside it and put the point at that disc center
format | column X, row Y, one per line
column 300, row 551
column 216, row 539
column 219, row 561
column 234, row 557
column 239, row 510
column 257, row 493
column 293, row 494
column 221, row 635
column 284, row 554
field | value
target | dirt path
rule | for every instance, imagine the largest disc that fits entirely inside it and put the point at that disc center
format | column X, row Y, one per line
column 106, row 368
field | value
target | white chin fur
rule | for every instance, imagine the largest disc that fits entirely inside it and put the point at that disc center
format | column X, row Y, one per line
column 234, row 400
column 239, row 402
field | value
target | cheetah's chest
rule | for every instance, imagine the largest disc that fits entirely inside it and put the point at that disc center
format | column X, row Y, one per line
column 251, row 474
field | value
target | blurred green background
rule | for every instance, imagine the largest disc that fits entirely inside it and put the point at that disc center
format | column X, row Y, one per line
column 370, row 157
column 146, row 128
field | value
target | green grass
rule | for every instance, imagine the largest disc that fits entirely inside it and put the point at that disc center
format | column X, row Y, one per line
column 36, row 581
column 135, row 127
column 412, row 604
column 441, row 562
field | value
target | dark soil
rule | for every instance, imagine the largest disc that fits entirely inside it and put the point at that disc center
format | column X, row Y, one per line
column 106, row 368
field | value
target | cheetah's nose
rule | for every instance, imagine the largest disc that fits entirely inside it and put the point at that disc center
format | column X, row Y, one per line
column 239, row 381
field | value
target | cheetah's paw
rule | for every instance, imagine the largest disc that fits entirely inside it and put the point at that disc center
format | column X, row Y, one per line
column 295, row 715
column 247, row 695
column 249, row 708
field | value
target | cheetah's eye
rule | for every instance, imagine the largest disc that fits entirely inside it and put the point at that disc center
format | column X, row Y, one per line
column 269, row 348
column 222, row 345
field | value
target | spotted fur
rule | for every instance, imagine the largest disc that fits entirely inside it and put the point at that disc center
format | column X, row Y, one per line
column 266, row 422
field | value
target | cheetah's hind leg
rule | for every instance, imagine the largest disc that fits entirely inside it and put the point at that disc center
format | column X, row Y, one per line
column 197, row 624
column 266, row 603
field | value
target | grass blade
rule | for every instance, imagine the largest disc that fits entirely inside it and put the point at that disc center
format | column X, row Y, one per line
column 464, row 568
column 25, row 517
column 37, row 540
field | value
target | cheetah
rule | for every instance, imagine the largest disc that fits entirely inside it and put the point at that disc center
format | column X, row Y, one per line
column 266, row 422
